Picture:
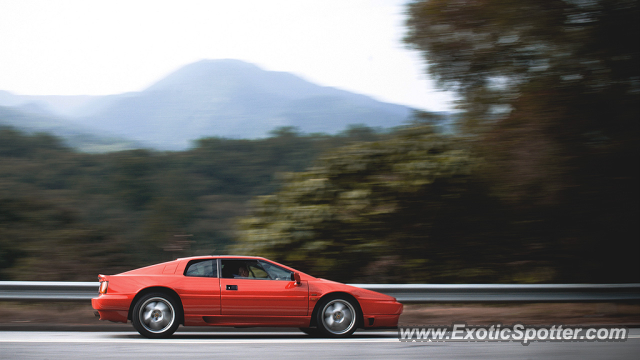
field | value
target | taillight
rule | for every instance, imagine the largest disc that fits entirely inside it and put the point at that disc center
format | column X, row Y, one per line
column 103, row 287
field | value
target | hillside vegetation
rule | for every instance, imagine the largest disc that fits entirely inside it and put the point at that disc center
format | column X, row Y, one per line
column 411, row 206
column 66, row 215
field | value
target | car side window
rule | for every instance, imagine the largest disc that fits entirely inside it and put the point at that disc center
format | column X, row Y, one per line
column 276, row 272
column 253, row 269
column 256, row 271
column 233, row 269
column 202, row 268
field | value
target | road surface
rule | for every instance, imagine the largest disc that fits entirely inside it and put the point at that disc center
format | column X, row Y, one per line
column 289, row 345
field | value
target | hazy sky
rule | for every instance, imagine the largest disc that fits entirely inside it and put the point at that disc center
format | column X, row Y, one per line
column 91, row 47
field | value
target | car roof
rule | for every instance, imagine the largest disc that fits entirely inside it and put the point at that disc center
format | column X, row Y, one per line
column 221, row 257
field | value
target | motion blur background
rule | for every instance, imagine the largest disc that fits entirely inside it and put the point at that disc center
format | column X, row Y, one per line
column 525, row 171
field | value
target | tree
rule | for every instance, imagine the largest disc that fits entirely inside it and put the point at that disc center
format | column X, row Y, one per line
column 551, row 93
column 575, row 54
column 389, row 210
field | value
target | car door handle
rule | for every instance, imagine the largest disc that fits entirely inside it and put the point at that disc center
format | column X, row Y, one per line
column 232, row 287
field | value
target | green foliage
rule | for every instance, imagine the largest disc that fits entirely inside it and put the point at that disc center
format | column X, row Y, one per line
column 367, row 211
column 421, row 207
column 14, row 144
column 498, row 55
column 550, row 93
column 40, row 240
column 65, row 215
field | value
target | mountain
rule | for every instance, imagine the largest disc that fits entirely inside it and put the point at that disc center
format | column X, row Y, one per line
column 231, row 98
column 57, row 105
column 33, row 118
column 224, row 98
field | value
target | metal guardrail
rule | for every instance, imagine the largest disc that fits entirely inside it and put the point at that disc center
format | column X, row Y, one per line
column 426, row 293
column 405, row 293
column 48, row 290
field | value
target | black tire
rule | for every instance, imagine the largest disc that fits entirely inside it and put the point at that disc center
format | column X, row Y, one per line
column 156, row 315
column 310, row 331
column 337, row 316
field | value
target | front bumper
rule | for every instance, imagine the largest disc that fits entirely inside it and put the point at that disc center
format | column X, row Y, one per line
column 381, row 313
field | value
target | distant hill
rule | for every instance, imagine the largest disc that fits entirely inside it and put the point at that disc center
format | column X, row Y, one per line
column 32, row 118
column 231, row 98
column 59, row 105
column 225, row 98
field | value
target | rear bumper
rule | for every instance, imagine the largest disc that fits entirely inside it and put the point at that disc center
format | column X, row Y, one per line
column 112, row 307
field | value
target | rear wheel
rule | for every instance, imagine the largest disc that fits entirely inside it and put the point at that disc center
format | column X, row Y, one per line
column 156, row 315
column 337, row 317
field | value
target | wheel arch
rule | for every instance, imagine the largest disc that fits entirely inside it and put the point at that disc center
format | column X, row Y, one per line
column 338, row 294
column 160, row 289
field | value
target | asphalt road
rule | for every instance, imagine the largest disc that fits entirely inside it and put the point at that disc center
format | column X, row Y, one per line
column 289, row 345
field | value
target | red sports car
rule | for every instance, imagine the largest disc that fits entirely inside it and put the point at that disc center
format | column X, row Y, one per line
column 238, row 291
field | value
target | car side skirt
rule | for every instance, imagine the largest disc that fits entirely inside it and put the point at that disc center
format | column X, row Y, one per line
column 236, row 320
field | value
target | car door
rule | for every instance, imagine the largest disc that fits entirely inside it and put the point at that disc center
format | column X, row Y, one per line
column 267, row 290
column 199, row 288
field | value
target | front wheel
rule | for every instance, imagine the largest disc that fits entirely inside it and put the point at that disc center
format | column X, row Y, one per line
column 155, row 315
column 337, row 317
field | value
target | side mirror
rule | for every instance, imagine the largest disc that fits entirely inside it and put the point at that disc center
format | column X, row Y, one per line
column 296, row 277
